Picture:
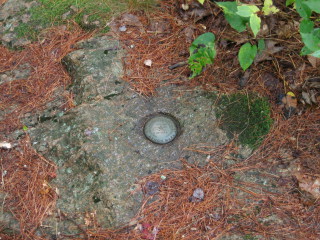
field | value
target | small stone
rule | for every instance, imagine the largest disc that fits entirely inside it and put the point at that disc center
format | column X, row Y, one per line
column 197, row 196
column 148, row 62
column 198, row 193
column 151, row 188
column 123, row 28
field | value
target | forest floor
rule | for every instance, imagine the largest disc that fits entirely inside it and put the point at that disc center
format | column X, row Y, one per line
column 164, row 36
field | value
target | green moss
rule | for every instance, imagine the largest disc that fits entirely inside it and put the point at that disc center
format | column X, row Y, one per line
column 25, row 30
column 247, row 116
column 50, row 12
column 249, row 237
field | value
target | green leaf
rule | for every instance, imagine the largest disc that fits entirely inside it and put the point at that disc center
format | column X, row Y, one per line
column 25, row 128
column 310, row 37
column 305, row 51
column 255, row 23
column 289, row 2
column 261, row 45
column 247, row 10
column 201, row 1
column 316, row 54
column 314, row 5
column 202, row 52
column 311, row 41
column 303, row 10
column 246, row 55
column 236, row 22
column 306, row 26
column 206, row 39
column 228, row 7
column 268, row 7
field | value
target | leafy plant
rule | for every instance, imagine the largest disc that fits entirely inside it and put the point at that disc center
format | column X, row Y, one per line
column 236, row 21
column 310, row 35
column 239, row 15
column 268, row 8
column 202, row 52
column 246, row 55
column 248, row 52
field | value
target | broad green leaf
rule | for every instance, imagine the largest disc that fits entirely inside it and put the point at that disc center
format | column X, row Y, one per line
column 310, row 37
column 289, row 2
column 202, row 52
column 311, row 41
column 25, row 128
column 255, row 23
column 247, row 10
column 303, row 10
column 316, row 54
column 305, row 51
column 268, row 7
column 261, row 45
column 306, row 26
column 206, row 39
column 246, row 55
column 201, row 1
column 228, row 7
column 314, row 5
column 236, row 22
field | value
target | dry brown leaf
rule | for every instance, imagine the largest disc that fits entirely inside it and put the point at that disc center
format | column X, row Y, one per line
column 311, row 91
column 315, row 62
column 266, row 54
column 309, row 184
column 289, row 101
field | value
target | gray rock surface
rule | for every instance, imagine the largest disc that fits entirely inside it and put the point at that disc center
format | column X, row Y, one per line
column 13, row 13
column 99, row 146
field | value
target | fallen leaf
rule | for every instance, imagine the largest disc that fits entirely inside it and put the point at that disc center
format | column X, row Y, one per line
column 289, row 104
column 309, row 184
column 287, row 29
column 194, row 10
column 130, row 20
column 315, row 62
column 269, row 50
column 311, row 91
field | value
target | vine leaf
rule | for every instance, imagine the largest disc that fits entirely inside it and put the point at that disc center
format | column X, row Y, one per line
column 202, row 52
column 268, row 8
column 246, row 55
column 255, row 23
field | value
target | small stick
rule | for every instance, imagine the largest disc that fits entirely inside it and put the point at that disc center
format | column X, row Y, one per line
column 179, row 64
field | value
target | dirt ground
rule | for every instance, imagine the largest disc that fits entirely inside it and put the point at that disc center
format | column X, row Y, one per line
column 290, row 153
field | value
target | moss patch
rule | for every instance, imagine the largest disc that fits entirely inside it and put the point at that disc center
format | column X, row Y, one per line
column 247, row 116
column 51, row 12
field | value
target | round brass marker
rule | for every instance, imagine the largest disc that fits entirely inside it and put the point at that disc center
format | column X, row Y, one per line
column 161, row 128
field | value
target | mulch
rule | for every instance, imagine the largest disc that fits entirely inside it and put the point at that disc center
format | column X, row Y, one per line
column 229, row 206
